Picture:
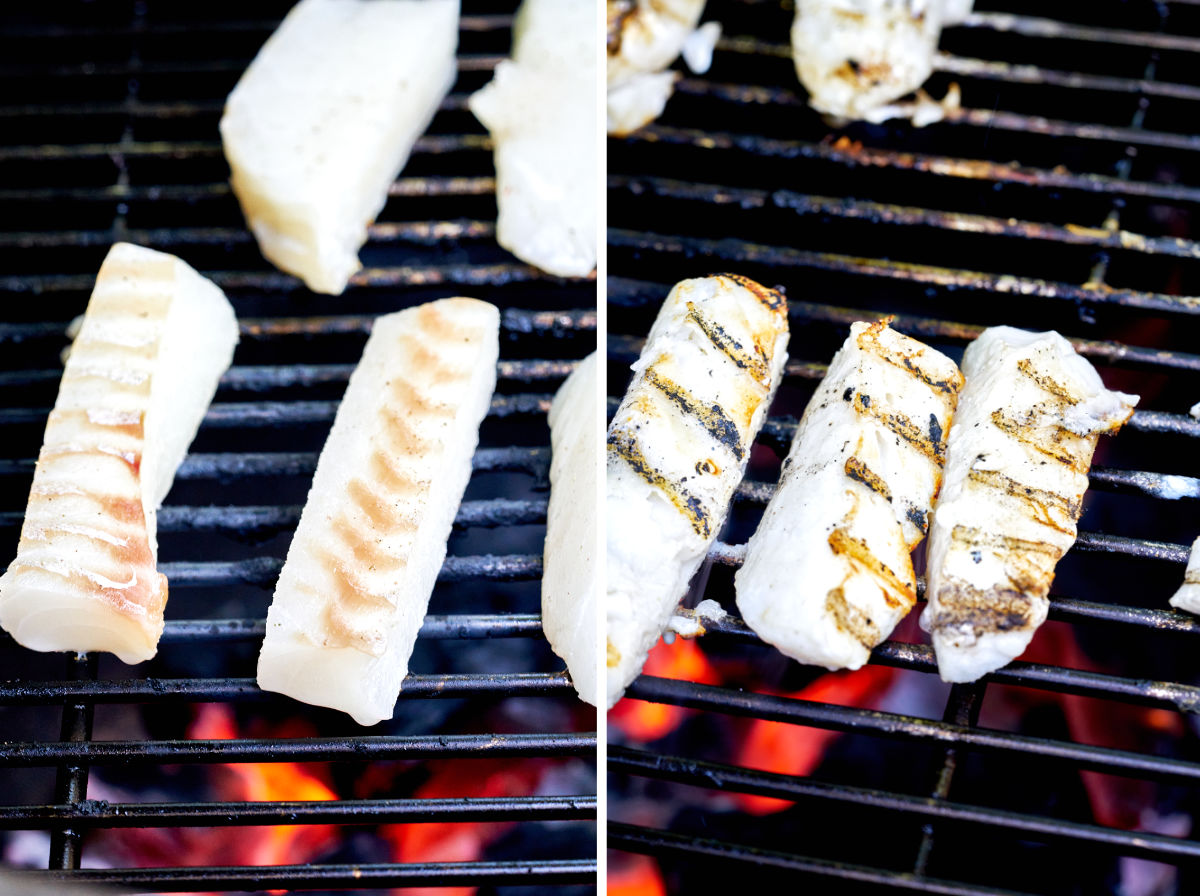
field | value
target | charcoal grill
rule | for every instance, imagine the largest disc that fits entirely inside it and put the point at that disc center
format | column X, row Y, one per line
column 1062, row 195
column 109, row 132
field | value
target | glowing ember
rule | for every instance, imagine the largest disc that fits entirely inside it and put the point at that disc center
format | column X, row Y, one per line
column 646, row 722
column 795, row 749
column 634, row 875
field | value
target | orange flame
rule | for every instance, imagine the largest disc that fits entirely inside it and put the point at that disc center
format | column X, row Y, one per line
column 795, row 749
column 683, row 660
column 634, row 875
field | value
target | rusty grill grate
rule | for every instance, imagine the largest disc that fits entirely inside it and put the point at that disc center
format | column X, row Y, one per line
column 1062, row 195
column 108, row 132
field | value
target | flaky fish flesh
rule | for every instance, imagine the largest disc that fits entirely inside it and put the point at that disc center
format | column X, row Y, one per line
column 1188, row 595
column 855, row 57
column 677, row 448
column 371, row 539
column 570, row 568
column 644, row 37
column 325, row 117
column 140, row 374
column 541, row 111
column 828, row 574
column 1017, row 461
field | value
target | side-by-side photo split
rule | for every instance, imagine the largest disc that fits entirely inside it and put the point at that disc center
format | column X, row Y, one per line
column 513, row 447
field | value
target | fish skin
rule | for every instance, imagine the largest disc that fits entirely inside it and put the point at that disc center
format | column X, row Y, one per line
column 1016, row 472
column 828, row 573
column 677, row 448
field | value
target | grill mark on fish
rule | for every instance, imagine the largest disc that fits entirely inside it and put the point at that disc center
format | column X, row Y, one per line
column 919, row 518
column 868, row 341
column 1069, row 449
column 896, row 593
column 50, row 453
column 711, row 416
column 393, row 479
column 617, row 13
column 756, row 366
column 376, row 509
column 143, row 596
column 410, row 400
column 851, row 620
column 1041, row 502
column 1192, row 578
column 626, row 447
column 771, row 298
column 123, row 511
column 860, row 472
column 971, row 536
column 900, row 425
column 364, row 548
column 1047, row 383
column 115, row 380
column 612, row 655
column 990, row 611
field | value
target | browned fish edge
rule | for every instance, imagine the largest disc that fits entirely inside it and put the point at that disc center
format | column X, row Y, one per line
column 771, row 298
column 896, row 593
column 625, row 446
column 1042, row 502
column 851, row 620
column 857, row 470
column 612, row 656
column 868, row 341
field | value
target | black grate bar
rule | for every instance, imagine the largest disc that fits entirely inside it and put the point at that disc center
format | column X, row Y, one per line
column 726, row 778
column 1029, row 26
column 278, row 376
column 513, row 322
column 854, row 155
column 265, row 570
column 491, row 513
column 211, row 690
column 989, row 70
column 432, row 185
column 103, row 814
column 225, row 415
column 70, row 785
column 332, row 749
column 728, row 250
column 659, row 843
column 516, row 459
column 882, row 213
column 885, row 724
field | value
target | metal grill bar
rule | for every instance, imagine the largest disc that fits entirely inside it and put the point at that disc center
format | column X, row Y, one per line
column 466, row 22
column 70, row 785
column 358, row 749
column 654, row 842
column 87, row 814
column 886, row 724
column 356, row 877
column 710, row 775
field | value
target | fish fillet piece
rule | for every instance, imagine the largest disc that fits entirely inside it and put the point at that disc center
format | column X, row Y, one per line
column 324, row 119
column 570, row 570
column 140, row 374
column 1017, row 461
column 644, row 37
column 371, row 539
column 677, row 448
column 1188, row 595
column 541, row 111
column 828, row 574
column 854, row 57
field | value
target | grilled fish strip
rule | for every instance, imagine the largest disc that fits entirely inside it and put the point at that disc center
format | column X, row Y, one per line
column 678, row 447
column 1016, row 471
column 829, row 574
column 1188, row 595
column 141, row 373
column 570, row 569
column 362, row 565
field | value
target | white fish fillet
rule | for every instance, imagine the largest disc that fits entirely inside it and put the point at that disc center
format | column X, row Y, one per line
column 372, row 537
column 644, row 37
column 141, row 373
column 1188, row 595
column 541, row 111
column 854, row 57
column 828, row 574
column 677, row 448
column 325, row 117
column 1017, row 462
column 570, row 570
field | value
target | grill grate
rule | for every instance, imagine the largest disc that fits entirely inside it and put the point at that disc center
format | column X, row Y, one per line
column 1061, row 196
column 108, row 133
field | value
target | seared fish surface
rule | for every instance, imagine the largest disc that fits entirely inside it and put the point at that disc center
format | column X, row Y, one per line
column 540, row 109
column 140, row 375
column 570, row 568
column 372, row 536
column 1016, row 469
column 828, row 574
column 677, row 448
column 854, row 57
column 325, row 117
column 644, row 37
